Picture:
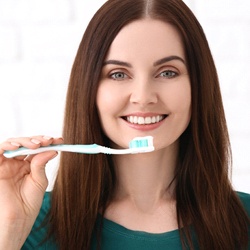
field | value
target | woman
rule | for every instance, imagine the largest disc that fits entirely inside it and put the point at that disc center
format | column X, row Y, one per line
column 142, row 68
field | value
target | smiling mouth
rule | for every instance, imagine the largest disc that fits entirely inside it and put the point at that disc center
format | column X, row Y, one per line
column 144, row 120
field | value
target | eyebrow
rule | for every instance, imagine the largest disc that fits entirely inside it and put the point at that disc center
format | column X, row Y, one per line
column 168, row 59
column 117, row 62
column 158, row 62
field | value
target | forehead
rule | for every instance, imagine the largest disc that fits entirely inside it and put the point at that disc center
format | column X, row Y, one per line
column 145, row 36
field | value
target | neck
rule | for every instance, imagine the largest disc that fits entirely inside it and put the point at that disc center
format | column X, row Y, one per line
column 144, row 179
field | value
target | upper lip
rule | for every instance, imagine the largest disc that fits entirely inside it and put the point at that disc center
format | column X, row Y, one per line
column 140, row 114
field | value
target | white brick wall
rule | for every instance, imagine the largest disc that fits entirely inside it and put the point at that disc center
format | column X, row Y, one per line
column 38, row 41
column 227, row 25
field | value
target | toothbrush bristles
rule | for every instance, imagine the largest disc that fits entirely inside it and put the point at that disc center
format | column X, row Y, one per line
column 141, row 142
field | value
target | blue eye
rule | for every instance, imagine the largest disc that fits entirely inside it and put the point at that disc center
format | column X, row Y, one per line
column 168, row 74
column 118, row 76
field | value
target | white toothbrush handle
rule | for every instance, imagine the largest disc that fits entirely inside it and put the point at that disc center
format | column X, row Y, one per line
column 88, row 149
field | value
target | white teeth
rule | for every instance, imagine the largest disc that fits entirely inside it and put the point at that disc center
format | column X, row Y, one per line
column 148, row 120
column 144, row 120
column 141, row 120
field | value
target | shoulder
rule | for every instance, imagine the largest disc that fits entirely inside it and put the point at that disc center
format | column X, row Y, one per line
column 38, row 234
column 245, row 200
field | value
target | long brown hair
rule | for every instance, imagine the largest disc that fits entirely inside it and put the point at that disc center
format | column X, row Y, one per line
column 85, row 183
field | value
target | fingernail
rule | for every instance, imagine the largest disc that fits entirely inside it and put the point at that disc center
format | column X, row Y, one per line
column 35, row 141
column 15, row 144
column 59, row 138
column 47, row 138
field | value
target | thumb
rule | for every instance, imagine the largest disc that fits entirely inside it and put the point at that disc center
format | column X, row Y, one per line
column 37, row 167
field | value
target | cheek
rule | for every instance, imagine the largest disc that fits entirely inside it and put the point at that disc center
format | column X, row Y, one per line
column 108, row 99
column 184, row 105
column 103, row 102
column 103, row 99
column 180, row 98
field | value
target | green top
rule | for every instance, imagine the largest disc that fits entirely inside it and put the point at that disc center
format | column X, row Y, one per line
column 115, row 236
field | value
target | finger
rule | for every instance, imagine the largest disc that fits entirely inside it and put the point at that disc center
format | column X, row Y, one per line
column 8, row 146
column 58, row 140
column 32, row 142
column 43, row 140
column 47, row 140
column 28, row 142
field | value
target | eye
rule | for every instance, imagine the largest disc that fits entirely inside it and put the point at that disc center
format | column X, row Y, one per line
column 118, row 76
column 168, row 74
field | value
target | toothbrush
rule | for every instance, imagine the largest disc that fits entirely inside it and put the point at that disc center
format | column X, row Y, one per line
column 137, row 145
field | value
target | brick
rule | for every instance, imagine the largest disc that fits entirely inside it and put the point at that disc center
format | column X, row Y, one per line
column 51, row 42
column 241, row 182
column 223, row 10
column 233, row 79
column 38, row 11
column 34, row 97
column 9, row 43
column 84, row 10
column 229, row 41
column 29, row 78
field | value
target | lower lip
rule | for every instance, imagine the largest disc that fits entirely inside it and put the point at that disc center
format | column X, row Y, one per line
column 145, row 127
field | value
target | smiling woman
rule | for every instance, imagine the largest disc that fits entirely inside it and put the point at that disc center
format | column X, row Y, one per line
column 143, row 68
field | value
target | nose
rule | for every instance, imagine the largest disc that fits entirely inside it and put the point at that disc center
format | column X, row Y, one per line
column 143, row 93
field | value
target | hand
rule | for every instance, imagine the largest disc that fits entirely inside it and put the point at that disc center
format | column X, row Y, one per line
column 23, row 183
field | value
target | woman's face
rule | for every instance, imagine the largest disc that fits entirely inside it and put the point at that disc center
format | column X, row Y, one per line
column 144, row 87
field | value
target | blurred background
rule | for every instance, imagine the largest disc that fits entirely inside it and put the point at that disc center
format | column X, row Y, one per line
column 38, row 42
